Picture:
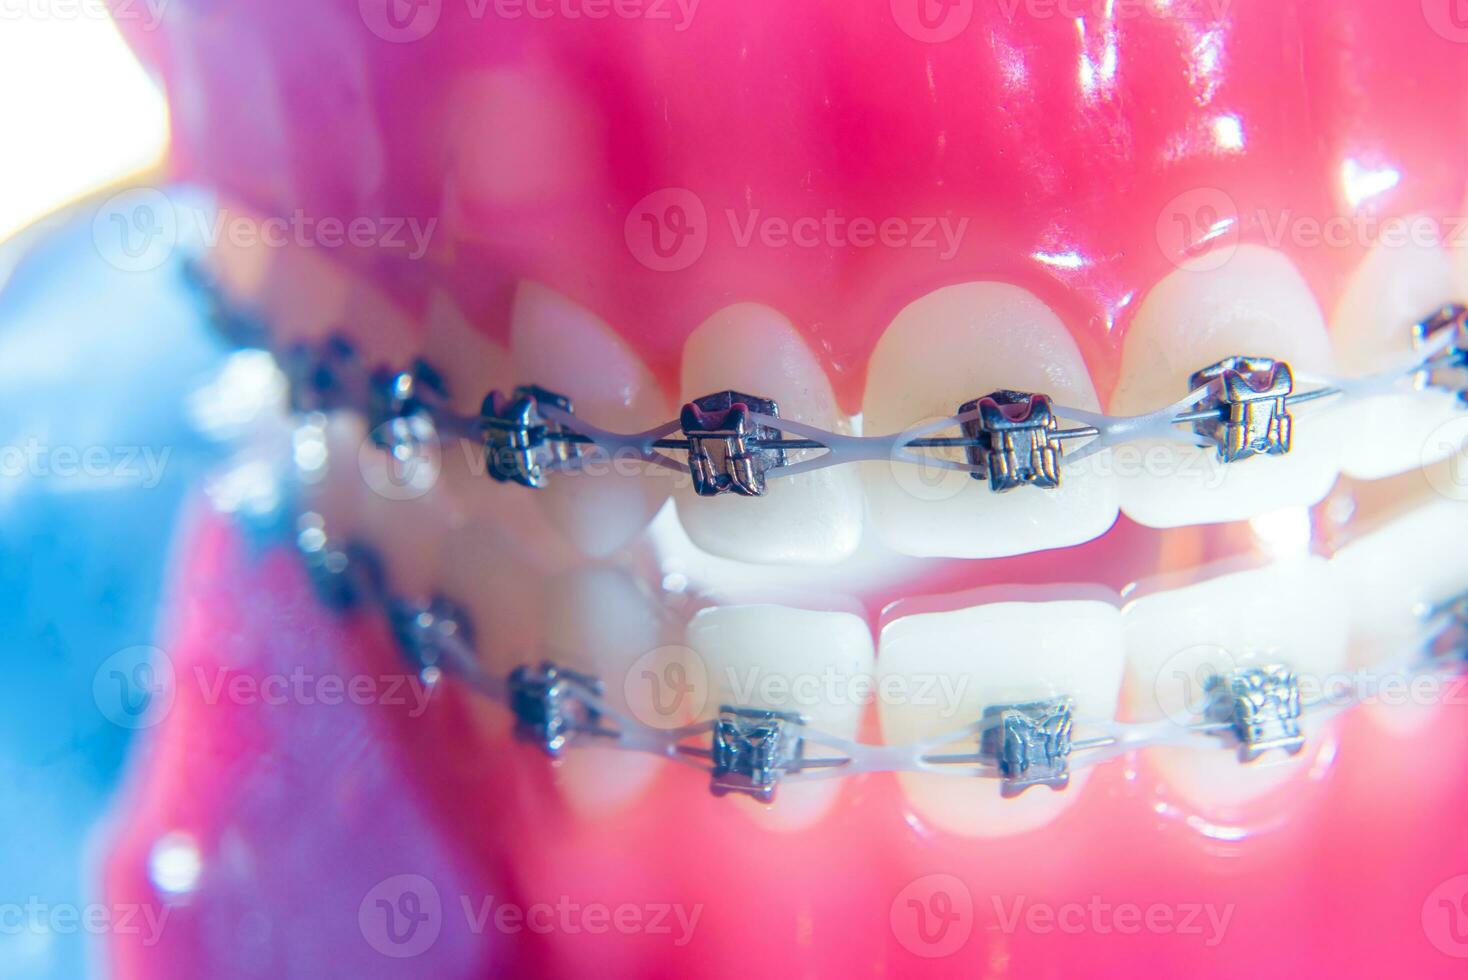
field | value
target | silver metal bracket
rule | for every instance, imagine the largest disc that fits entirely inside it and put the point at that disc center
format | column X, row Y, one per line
column 423, row 629
column 344, row 576
column 752, row 748
column 1029, row 743
column 1261, row 706
column 321, row 375
column 1252, row 393
column 1448, row 368
column 518, row 441
column 401, row 406
column 1016, row 446
column 724, row 452
column 548, row 707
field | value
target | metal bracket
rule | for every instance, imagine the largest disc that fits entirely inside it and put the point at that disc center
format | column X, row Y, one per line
column 320, row 375
column 1253, row 391
column 1030, row 743
column 1448, row 369
column 422, row 628
column 547, row 708
column 752, row 747
column 724, row 453
column 1018, row 445
column 401, row 406
column 1261, row 705
column 517, row 443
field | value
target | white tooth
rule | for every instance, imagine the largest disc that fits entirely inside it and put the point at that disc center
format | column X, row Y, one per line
column 1255, row 305
column 567, row 349
column 948, row 348
column 470, row 363
column 502, row 588
column 1396, row 286
column 597, row 620
column 1389, row 578
column 1288, row 612
column 775, row 657
column 968, row 658
column 810, row 518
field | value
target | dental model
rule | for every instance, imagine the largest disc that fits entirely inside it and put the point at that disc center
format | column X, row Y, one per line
column 733, row 444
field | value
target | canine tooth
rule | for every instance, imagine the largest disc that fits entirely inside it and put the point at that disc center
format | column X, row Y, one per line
column 968, row 659
column 1390, row 576
column 941, row 351
column 1395, row 287
column 1287, row 612
column 810, row 518
column 1255, row 305
column 597, row 620
column 784, row 659
column 562, row 346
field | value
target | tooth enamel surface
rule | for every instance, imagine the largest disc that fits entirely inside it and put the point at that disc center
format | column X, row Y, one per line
column 561, row 346
column 1395, row 287
column 502, row 588
column 948, row 348
column 810, row 518
column 938, row 672
column 1390, row 575
column 778, row 658
column 1289, row 612
column 1255, row 305
column 599, row 621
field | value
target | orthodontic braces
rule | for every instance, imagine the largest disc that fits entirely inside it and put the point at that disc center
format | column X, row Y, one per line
column 752, row 751
column 734, row 443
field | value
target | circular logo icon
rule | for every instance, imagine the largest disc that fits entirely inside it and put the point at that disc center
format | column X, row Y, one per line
column 932, row 21
column 1448, row 444
column 134, row 688
column 667, row 687
column 136, row 230
column 1445, row 917
column 1181, row 685
column 400, row 21
column 397, row 466
column 1447, row 18
column 1199, row 229
column 401, row 916
column 924, row 474
column 667, row 230
column 933, row 916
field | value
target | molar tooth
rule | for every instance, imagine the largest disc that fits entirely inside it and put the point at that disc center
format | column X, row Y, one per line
column 948, row 348
column 1255, row 305
column 567, row 349
column 810, row 518
column 1395, row 287
column 778, row 658
column 1288, row 612
column 1070, row 647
